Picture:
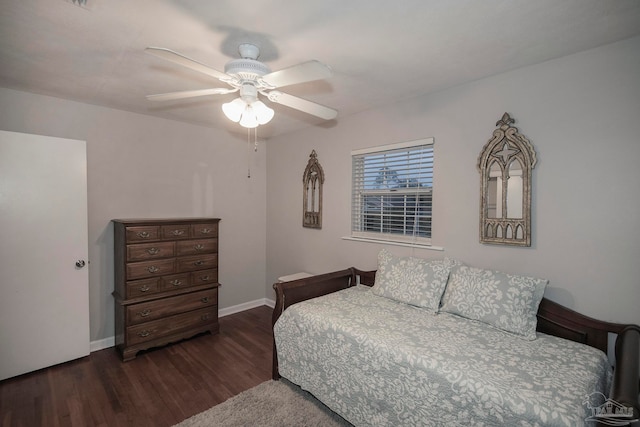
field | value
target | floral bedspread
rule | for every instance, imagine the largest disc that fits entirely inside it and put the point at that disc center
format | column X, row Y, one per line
column 377, row 362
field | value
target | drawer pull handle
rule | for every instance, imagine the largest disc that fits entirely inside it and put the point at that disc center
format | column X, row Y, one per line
column 204, row 299
column 198, row 247
column 144, row 288
column 205, row 278
column 144, row 235
column 144, row 333
column 153, row 251
column 198, row 263
column 153, row 269
column 204, row 317
column 206, row 231
column 176, row 282
column 144, row 313
column 177, row 232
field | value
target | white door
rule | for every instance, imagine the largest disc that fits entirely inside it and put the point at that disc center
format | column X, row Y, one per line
column 44, row 295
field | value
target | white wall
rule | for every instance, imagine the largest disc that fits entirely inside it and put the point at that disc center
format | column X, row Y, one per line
column 580, row 112
column 138, row 167
column 582, row 115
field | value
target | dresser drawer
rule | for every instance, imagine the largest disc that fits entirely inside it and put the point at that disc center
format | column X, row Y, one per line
column 175, row 232
column 193, row 247
column 175, row 281
column 148, row 251
column 137, row 288
column 140, row 270
column 152, row 310
column 142, row 233
column 197, row 262
column 204, row 230
column 204, row 277
column 158, row 328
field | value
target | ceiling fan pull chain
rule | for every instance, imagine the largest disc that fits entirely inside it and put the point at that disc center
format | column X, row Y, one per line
column 248, row 153
column 255, row 141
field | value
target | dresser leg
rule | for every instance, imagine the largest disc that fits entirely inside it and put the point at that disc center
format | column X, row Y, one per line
column 215, row 329
column 129, row 354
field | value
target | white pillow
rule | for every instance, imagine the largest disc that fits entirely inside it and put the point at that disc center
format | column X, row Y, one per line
column 413, row 281
column 504, row 301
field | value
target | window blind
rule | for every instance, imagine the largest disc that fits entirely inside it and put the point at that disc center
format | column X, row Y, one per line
column 392, row 192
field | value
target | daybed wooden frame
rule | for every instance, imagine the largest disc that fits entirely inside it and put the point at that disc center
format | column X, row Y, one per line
column 553, row 319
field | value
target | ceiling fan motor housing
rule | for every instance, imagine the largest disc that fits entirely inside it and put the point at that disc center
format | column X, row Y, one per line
column 246, row 69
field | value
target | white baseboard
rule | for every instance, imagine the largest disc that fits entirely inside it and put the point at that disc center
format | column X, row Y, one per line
column 246, row 306
column 102, row 344
column 111, row 341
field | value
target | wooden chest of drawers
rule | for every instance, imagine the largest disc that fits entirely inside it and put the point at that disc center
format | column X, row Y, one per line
column 166, row 281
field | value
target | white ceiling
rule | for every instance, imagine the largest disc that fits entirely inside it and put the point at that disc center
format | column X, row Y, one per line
column 381, row 51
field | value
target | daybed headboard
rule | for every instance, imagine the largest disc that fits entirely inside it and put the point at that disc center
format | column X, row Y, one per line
column 310, row 287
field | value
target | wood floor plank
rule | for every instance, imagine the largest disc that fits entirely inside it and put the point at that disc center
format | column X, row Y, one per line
column 160, row 387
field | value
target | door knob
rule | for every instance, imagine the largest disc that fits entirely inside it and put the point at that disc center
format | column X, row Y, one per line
column 80, row 263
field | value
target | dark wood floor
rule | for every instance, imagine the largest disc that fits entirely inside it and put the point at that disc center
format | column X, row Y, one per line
column 160, row 387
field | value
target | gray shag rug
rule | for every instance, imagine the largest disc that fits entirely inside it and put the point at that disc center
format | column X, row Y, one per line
column 270, row 404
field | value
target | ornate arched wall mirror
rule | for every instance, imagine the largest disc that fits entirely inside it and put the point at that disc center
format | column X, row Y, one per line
column 312, row 181
column 505, row 166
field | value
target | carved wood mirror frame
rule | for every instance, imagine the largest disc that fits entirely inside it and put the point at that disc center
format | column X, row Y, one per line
column 312, row 181
column 505, row 165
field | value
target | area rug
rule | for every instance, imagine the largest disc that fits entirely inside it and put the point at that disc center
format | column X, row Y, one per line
column 270, row 404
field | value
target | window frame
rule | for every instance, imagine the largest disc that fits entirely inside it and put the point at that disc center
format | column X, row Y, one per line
column 359, row 192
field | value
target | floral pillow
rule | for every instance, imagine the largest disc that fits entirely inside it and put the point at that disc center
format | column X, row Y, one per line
column 413, row 281
column 504, row 301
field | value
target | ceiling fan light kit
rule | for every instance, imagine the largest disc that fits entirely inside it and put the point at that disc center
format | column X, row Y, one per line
column 251, row 77
column 247, row 109
column 248, row 115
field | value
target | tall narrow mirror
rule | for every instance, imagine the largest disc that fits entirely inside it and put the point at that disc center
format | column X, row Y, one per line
column 312, row 181
column 505, row 164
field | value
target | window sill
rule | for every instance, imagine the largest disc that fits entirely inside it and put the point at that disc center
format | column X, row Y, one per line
column 393, row 243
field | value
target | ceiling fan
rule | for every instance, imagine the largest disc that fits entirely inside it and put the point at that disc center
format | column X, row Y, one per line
column 250, row 77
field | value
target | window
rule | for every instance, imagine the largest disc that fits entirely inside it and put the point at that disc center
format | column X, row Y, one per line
column 392, row 192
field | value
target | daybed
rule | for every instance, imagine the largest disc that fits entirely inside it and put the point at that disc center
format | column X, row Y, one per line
column 381, row 358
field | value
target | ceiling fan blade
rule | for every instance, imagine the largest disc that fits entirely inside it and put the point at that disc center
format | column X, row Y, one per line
column 189, row 94
column 302, row 105
column 304, row 72
column 177, row 58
